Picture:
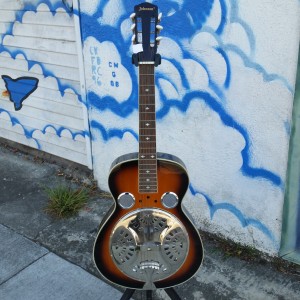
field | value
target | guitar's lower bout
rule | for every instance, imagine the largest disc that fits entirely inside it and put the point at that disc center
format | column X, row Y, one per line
column 148, row 246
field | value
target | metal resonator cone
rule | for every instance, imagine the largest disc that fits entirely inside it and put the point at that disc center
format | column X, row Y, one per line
column 149, row 245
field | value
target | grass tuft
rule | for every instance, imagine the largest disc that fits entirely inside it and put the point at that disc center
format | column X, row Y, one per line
column 65, row 202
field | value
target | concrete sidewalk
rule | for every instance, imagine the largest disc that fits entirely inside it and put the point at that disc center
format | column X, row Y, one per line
column 46, row 258
column 29, row 271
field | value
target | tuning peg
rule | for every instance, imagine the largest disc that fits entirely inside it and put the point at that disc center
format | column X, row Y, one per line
column 132, row 27
column 159, row 28
column 159, row 17
column 132, row 17
column 158, row 39
column 133, row 39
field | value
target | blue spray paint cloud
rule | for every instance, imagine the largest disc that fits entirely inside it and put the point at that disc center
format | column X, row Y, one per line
column 29, row 132
column 108, row 134
column 244, row 220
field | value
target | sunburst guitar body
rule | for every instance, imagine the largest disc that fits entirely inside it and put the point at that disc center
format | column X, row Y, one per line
column 146, row 240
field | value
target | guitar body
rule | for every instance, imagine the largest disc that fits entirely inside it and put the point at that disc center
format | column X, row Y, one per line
column 151, row 244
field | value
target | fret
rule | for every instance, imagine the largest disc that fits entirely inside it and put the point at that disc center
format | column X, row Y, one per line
column 145, row 100
column 147, row 141
column 147, row 132
column 148, row 88
column 146, row 96
column 148, row 154
column 147, row 188
column 147, row 118
column 147, row 135
column 142, row 148
column 148, row 109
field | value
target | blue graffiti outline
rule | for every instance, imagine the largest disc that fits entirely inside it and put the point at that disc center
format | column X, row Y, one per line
column 108, row 134
column 14, row 121
column 33, row 7
column 228, row 67
column 235, row 18
column 227, row 120
column 268, row 77
column 125, row 108
column 29, row 133
column 222, row 24
column 244, row 220
column 252, row 65
column 60, row 129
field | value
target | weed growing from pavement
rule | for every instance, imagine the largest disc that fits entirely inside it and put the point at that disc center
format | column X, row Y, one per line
column 64, row 201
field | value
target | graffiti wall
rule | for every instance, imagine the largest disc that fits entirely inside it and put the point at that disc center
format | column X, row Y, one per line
column 224, row 95
column 41, row 103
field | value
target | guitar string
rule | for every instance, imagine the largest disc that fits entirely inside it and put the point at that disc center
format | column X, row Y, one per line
column 145, row 82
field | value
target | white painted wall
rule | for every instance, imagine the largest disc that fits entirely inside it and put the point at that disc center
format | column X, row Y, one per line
column 224, row 101
column 39, row 40
column 224, row 97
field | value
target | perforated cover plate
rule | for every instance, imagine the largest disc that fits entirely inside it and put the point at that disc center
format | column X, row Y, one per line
column 149, row 245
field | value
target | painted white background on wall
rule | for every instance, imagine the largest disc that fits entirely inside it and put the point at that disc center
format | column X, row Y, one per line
column 231, row 122
column 39, row 40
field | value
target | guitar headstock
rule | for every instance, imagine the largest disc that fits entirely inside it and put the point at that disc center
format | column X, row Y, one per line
column 145, row 37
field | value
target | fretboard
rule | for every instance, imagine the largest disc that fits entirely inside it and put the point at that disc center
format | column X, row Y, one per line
column 147, row 130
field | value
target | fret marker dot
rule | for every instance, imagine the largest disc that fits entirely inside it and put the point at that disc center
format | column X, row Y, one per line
column 147, row 90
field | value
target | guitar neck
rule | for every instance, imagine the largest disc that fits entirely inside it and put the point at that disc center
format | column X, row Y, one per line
column 147, row 130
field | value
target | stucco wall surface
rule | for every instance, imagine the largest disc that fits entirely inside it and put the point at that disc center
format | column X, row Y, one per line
column 224, row 95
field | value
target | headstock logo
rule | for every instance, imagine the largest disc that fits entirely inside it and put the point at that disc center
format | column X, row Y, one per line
column 147, row 8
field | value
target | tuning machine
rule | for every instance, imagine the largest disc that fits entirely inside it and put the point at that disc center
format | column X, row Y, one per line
column 132, row 17
column 159, row 17
column 133, row 39
column 158, row 39
column 159, row 28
